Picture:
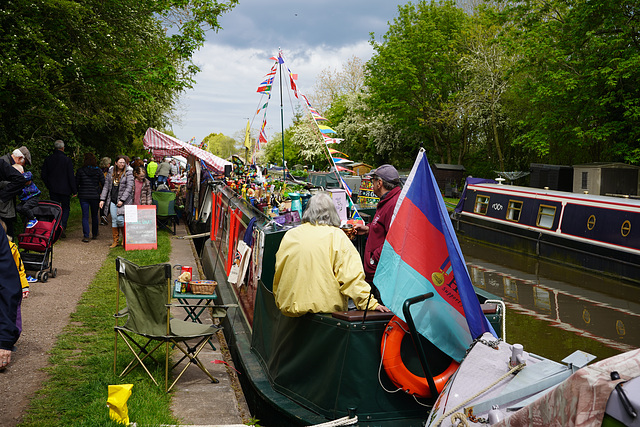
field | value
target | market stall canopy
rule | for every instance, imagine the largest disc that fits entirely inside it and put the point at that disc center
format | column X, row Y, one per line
column 164, row 145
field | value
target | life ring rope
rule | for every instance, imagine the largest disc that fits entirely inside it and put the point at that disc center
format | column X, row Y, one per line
column 397, row 372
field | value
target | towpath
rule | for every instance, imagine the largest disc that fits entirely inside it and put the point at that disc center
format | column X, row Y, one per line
column 46, row 312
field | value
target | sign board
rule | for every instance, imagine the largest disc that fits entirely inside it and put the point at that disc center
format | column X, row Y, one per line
column 140, row 227
column 366, row 196
column 339, row 197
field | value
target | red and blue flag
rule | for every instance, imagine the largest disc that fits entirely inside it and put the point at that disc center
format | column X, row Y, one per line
column 421, row 254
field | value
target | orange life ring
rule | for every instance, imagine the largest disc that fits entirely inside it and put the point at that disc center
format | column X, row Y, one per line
column 398, row 372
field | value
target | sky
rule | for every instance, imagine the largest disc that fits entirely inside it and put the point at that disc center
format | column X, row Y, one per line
column 313, row 35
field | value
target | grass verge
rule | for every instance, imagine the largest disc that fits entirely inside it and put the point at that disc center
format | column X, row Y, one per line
column 82, row 359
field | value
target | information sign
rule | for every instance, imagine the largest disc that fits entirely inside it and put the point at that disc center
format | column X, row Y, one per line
column 140, row 227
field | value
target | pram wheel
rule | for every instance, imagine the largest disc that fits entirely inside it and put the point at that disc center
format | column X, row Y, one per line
column 43, row 277
column 54, row 273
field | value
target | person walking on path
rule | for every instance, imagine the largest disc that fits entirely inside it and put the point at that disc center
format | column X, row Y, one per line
column 152, row 167
column 141, row 187
column 90, row 181
column 57, row 175
column 117, row 192
column 386, row 185
column 163, row 172
column 11, row 184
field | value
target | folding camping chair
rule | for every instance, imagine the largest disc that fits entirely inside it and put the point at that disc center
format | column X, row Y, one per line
column 166, row 213
column 148, row 293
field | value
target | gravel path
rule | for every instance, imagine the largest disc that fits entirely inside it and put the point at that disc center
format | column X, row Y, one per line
column 45, row 313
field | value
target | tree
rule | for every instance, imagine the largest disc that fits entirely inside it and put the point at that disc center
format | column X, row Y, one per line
column 577, row 80
column 223, row 146
column 332, row 84
column 96, row 74
column 415, row 75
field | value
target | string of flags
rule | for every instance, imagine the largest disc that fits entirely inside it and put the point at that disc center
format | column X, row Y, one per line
column 327, row 133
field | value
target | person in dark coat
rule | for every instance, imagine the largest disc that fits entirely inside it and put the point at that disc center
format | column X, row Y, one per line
column 10, row 299
column 89, row 181
column 11, row 184
column 386, row 185
column 58, row 176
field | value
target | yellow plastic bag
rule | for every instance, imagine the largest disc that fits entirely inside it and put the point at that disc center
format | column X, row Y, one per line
column 117, row 402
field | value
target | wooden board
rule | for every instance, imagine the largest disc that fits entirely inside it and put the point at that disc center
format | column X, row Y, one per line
column 140, row 227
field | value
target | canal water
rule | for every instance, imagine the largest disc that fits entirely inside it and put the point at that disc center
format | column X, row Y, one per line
column 554, row 310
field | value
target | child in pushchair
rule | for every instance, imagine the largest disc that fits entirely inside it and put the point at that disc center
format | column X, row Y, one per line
column 36, row 243
column 28, row 198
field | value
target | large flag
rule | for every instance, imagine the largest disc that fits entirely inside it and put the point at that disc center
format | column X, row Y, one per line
column 421, row 254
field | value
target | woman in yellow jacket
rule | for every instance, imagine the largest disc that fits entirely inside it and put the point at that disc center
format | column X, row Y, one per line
column 317, row 267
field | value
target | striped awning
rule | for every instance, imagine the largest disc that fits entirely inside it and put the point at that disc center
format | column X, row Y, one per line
column 162, row 145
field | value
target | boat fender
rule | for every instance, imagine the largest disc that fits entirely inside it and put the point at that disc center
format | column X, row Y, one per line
column 398, row 372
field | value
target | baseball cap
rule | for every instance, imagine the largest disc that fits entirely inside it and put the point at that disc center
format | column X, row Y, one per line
column 386, row 173
column 27, row 155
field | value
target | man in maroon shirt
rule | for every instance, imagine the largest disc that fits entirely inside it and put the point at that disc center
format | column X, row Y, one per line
column 386, row 185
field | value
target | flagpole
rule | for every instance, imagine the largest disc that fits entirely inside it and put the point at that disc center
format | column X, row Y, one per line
column 284, row 167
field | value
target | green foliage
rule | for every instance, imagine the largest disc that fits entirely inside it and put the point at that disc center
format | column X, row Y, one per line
column 223, row 146
column 577, row 78
column 95, row 74
column 415, row 76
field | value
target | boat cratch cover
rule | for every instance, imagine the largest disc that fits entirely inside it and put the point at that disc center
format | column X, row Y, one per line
column 421, row 254
column 164, row 145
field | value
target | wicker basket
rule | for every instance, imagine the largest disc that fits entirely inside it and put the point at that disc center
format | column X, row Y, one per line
column 203, row 287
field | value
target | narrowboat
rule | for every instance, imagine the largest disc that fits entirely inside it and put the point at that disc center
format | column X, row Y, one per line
column 307, row 370
column 596, row 233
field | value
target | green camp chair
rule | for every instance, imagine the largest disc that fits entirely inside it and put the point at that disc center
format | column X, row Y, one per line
column 166, row 212
column 148, row 293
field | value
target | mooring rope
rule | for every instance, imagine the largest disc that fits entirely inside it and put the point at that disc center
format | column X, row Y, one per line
column 511, row 371
column 346, row 421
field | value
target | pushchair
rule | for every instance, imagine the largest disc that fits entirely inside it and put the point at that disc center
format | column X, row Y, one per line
column 36, row 243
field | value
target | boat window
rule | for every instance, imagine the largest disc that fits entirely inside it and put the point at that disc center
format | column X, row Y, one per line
column 514, row 209
column 585, row 180
column 546, row 214
column 626, row 228
column 591, row 222
column 482, row 204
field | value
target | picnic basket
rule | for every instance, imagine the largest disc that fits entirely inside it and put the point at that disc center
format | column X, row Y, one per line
column 203, row 287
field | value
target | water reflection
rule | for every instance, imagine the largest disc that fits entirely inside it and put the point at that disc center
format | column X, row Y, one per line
column 555, row 310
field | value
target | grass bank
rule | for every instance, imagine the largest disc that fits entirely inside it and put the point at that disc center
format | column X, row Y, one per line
column 82, row 359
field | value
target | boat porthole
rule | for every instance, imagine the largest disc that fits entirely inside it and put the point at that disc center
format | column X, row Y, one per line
column 626, row 228
column 620, row 328
column 586, row 316
column 591, row 222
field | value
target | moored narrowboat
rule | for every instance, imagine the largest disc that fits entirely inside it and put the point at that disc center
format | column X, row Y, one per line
column 597, row 233
column 307, row 370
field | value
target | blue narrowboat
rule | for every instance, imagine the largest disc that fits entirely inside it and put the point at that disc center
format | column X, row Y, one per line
column 597, row 233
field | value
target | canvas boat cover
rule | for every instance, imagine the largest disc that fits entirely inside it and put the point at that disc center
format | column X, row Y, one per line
column 164, row 145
